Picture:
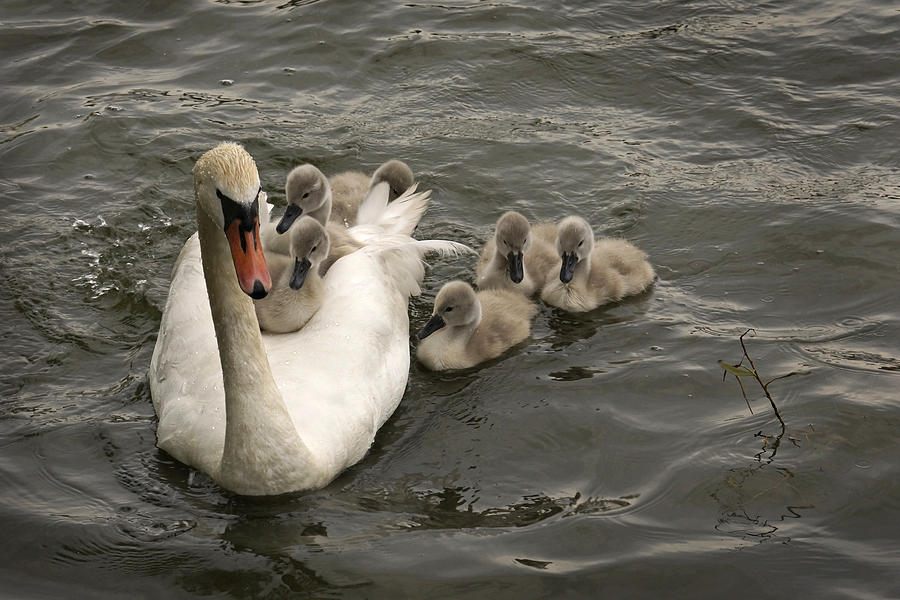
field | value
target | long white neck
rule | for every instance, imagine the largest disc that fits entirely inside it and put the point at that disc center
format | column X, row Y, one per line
column 263, row 453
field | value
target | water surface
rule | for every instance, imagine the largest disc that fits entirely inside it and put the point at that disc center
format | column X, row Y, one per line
column 749, row 148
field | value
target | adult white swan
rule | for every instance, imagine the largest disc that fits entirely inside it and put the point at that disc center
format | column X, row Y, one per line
column 274, row 413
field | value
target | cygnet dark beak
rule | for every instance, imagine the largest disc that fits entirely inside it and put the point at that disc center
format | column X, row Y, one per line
column 434, row 323
column 301, row 269
column 290, row 215
column 567, row 271
column 516, row 268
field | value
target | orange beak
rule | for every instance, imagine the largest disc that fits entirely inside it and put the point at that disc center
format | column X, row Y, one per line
column 249, row 260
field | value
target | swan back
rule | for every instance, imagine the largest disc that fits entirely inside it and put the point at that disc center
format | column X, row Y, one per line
column 341, row 244
column 346, row 370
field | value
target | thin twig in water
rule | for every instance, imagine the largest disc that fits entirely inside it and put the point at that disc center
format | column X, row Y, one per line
column 749, row 370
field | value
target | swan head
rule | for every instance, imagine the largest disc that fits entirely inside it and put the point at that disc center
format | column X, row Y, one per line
column 309, row 247
column 227, row 190
column 512, row 239
column 306, row 189
column 456, row 305
column 398, row 176
column 574, row 242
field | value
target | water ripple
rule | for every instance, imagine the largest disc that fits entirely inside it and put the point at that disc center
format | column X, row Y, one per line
column 749, row 149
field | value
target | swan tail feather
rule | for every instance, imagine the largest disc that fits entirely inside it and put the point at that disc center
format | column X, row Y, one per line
column 406, row 261
column 377, row 215
column 374, row 203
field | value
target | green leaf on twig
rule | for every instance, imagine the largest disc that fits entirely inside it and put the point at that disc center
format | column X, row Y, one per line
column 736, row 370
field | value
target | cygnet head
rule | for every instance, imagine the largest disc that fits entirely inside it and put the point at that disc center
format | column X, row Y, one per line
column 574, row 242
column 226, row 187
column 309, row 247
column 455, row 305
column 398, row 176
column 307, row 190
column 512, row 238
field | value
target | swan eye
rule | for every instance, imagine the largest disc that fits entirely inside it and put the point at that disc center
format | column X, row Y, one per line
column 306, row 195
column 313, row 248
column 448, row 309
column 580, row 243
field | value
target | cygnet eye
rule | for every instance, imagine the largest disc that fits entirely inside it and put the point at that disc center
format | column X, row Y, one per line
column 306, row 195
column 580, row 243
column 448, row 309
column 313, row 248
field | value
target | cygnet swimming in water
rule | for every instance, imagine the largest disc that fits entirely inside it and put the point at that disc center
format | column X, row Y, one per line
column 591, row 273
column 467, row 328
column 350, row 187
column 516, row 258
column 293, row 260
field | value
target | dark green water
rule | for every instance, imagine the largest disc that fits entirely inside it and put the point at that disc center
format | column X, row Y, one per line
column 750, row 148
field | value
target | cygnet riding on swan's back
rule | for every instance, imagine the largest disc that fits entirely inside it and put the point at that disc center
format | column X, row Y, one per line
column 514, row 259
column 309, row 192
column 297, row 287
column 351, row 187
column 338, row 199
column 468, row 328
column 269, row 414
column 590, row 273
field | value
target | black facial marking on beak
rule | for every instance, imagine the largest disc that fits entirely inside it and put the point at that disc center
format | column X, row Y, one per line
column 516, row 268
column 567, row 271
column 434, row 323
column 241, row 226
column 290, row 215
column 301, row 270
column 247, row 216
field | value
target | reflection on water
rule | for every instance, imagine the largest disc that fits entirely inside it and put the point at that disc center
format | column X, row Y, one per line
column 746, row 516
